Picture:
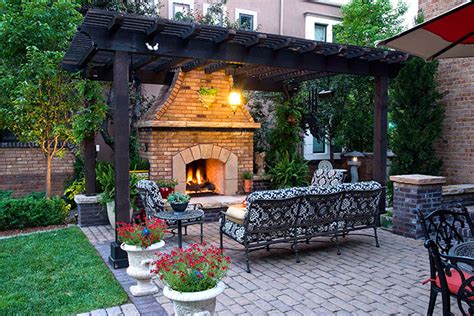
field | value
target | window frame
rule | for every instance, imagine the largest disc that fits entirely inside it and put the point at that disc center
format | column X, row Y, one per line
column 325, row 31
column 171, row 4
column 238, row 12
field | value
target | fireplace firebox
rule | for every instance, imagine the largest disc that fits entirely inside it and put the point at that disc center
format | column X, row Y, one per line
column 204, row 176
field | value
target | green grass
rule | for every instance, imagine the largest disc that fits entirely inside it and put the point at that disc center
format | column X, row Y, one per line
column 56, row 272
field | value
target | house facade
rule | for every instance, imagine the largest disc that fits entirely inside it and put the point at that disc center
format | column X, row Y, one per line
column 456, row 82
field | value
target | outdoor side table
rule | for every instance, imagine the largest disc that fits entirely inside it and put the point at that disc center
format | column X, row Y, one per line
column 465, row 249
column 179, row 217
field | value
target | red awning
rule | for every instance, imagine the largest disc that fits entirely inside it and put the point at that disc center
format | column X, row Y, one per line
column 448, row 35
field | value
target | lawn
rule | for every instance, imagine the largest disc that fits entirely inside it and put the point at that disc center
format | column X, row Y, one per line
column 54, row 272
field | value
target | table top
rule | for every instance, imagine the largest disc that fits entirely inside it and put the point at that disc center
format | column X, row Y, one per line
column 465, row 249
column 178, row 216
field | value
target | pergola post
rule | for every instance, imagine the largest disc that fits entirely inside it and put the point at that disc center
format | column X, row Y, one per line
column 380, row 134
column 118, row 257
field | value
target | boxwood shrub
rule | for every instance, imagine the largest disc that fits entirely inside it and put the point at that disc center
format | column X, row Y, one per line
column 32, row 211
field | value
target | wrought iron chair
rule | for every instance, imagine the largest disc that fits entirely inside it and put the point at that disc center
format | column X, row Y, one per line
column 452, row 277
column 154, row 203
column 327, row 177
column 445, row 226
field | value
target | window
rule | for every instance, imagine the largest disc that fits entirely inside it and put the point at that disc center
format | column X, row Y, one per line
column 320, row 32
column 319, row 147
column 219, row 18
column 246, row 18
column 180, row 7
column 246, row 21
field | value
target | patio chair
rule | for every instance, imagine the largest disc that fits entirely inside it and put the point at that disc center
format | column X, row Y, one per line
column 154, row 203
column 452, row 277
column 327, row 177
column 445, row 226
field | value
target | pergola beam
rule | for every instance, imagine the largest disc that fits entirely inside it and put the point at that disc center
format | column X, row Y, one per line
column 209, row 69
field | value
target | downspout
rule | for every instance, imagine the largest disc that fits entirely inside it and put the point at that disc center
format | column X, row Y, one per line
column 281, row 16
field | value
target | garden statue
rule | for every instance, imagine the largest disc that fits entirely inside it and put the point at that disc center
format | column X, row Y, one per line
column 260, row 162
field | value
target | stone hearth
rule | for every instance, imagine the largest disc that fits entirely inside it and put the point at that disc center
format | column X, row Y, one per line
column 179, row 130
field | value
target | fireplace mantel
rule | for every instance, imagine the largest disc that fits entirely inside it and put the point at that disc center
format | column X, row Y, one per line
column 198, row 124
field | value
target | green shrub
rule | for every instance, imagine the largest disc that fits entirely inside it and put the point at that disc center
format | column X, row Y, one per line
column 32, row 211
column 5, row 194
column 290, row 170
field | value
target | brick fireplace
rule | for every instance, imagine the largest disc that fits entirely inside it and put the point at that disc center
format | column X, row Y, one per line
column 205, row 149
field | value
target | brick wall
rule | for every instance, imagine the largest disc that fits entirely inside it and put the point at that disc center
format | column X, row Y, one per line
column 23, row 170
column 456, row 80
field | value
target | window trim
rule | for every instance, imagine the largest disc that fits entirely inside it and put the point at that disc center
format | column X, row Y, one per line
column 325, row 30
column 310, row 29
column 247, row 12
column 308, row 149
column 171, row 4
column 205, row 7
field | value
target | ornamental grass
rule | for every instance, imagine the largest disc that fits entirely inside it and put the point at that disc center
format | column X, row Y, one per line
column 197, row 268
column 142, row 235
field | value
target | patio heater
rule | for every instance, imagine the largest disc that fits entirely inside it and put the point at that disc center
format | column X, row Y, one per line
column 354, row 164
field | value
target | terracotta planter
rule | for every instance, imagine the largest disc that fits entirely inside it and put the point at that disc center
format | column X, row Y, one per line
column 139, row 261
column 247, row 185
column 165, row 192
column 192, row 303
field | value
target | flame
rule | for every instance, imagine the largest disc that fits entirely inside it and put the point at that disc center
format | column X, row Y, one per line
column 198, row 176
column 189, row 176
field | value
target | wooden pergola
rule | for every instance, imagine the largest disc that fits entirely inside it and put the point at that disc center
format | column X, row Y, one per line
column 112, row 46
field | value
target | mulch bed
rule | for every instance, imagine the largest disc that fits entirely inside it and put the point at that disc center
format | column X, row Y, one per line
column 29, row 230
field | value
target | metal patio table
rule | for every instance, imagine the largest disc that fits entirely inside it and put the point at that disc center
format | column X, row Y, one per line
column 179, row 217
column 465, row 249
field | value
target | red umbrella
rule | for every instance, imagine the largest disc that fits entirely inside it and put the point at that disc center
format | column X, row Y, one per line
column 448, row 35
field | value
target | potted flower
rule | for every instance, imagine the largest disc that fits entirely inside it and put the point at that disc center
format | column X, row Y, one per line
column 247, row 175
column 106, row 179
column 207, row 96
column 178, row 201
column 192, row 278
column 166, row 187
column 140, row 241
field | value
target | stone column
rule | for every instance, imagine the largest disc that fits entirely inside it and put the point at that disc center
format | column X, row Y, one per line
column 90, row 211
column 412, row 192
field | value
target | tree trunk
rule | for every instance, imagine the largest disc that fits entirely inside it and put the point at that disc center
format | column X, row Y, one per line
column 48, row 175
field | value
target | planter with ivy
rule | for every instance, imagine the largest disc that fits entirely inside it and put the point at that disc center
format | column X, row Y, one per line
column 166, row 187
column 247, row 176
column 207, row 96
column 106, row 179
column 178, row 201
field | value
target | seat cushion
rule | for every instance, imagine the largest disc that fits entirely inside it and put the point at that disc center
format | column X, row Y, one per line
column 454, row 281
column 236, row 213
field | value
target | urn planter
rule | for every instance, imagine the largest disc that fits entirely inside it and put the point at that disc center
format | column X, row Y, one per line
column 139, row 260
column 179, row 207
column 194, row 303
column 111, row 213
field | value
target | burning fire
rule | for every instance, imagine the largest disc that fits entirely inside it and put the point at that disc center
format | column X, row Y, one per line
column 194, row 178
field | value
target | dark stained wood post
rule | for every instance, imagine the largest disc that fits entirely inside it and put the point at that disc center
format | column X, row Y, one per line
column 118, row 257
column 89, row 164
column 380, row 134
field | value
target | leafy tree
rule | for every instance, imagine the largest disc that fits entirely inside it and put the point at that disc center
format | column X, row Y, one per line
column 364, row 22
column 44, row 106
column 417, row 114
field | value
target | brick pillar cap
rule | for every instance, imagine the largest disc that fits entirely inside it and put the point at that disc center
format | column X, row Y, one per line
column 84, row 199
column 418, row 179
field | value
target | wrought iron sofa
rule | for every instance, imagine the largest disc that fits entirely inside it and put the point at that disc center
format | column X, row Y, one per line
column 299, row 214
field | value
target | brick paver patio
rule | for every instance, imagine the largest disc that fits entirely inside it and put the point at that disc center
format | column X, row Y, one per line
column 362, row 280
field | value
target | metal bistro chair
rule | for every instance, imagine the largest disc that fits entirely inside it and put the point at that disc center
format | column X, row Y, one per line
column 452, row 277
column 443, row 229
column 154, row 203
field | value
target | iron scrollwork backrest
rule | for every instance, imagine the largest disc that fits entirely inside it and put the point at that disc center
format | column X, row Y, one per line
column 271, row 219
column 359, row 208
column 151, row 197
column 326, row 177
column 446, row 266
column 320, row 211
column 444, row 226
